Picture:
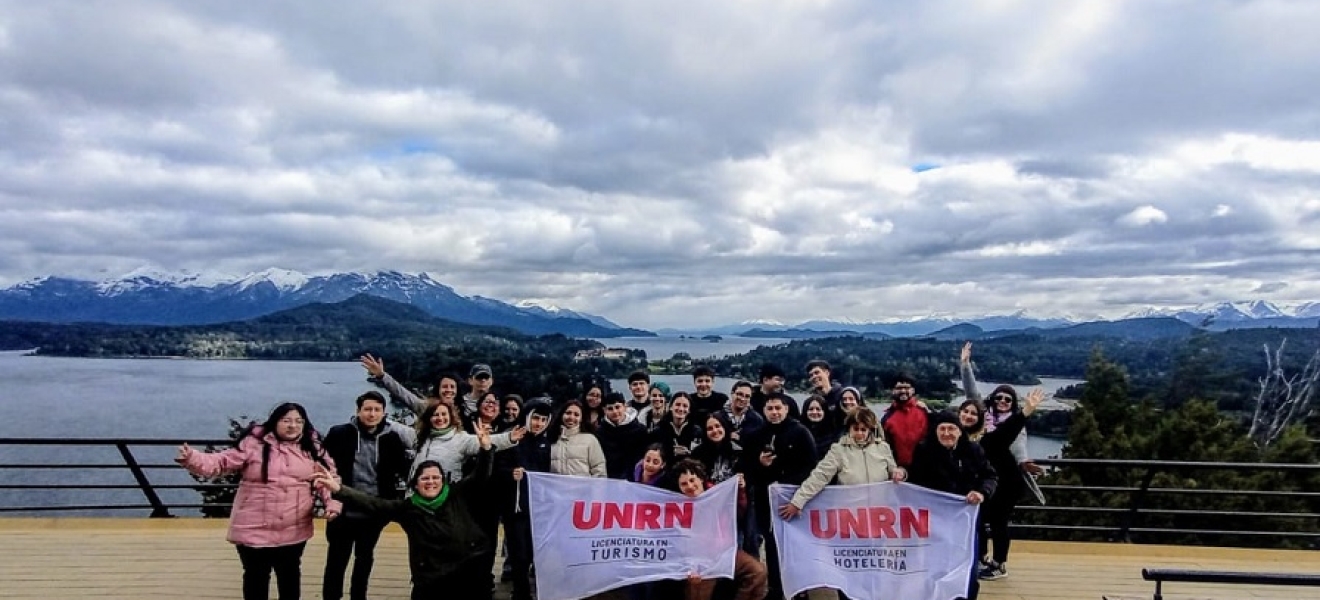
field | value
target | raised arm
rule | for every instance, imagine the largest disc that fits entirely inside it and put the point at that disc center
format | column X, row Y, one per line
column 214, row 464
column 968, row 373
column 376, row 368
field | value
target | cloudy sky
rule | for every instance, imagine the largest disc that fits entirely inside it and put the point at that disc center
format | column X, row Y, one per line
column 678, row 163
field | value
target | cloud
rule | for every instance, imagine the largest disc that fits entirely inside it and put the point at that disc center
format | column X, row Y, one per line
column 1143, row 216
column 787, row 160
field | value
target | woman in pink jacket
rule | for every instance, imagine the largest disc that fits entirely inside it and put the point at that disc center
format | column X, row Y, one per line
column 272, row 515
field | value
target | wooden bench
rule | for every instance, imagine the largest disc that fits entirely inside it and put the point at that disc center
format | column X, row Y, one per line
column 1159, row 576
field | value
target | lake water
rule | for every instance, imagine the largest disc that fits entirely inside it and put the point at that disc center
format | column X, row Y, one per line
column 183, row 399
column 129, row 398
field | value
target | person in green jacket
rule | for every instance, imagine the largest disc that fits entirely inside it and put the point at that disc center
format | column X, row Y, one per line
column 445, row 544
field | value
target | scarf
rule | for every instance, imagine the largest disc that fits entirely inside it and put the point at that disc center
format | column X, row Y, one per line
column 435, row 433
column 569, row 432
column 432, row 505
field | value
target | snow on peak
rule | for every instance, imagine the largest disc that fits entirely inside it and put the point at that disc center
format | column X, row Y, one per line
column 145, row 277
column 283, row 279
column 1260, row 309
column 545, row 306
column 762, row 323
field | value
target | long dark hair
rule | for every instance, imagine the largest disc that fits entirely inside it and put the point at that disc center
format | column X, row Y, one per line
column 309, row 442
column 556, row 427
column 707, row 451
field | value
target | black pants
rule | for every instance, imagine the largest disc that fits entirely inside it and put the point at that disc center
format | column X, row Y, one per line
column 996, row 517
column 350, row 537
column 518, row 533
column 763, row 512
column 286, row 561
column 460, row 585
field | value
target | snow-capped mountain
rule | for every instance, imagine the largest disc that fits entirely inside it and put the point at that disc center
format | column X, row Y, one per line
column 148, row 297
column 551, row 311
column 1228, row 315
column 1307, row 310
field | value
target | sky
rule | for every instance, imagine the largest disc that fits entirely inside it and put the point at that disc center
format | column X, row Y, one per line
column 678, row 163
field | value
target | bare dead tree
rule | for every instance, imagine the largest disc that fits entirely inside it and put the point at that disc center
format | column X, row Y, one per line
column 1283, row 400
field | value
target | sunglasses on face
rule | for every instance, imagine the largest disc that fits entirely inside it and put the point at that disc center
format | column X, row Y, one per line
column 482, row 377
column 1003, row 398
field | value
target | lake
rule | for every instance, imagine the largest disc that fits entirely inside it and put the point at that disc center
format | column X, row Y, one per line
column 164, row 398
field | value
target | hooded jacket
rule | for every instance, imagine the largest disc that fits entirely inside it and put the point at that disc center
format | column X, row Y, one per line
column 276, row 511
column 384, row 448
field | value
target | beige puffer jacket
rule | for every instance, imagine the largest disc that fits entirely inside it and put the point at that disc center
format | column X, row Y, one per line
column 852, row 463
column 577, row 454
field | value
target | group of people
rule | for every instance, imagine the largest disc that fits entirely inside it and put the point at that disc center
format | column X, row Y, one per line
column 451, row 481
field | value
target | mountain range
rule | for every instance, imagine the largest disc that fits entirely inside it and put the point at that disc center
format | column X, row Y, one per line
column 154, row 298
column 1220, row 316
column 163, row 298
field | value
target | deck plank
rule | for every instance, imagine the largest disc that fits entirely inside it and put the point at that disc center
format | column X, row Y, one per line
column 175, row 558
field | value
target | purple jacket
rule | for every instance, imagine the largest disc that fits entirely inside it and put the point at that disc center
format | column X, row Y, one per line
column 277, row 512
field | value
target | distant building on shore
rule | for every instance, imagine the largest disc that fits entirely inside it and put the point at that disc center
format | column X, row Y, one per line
column 605, row 353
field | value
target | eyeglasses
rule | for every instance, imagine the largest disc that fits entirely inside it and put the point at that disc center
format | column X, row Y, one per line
column 1003, row 398
column 482, row 376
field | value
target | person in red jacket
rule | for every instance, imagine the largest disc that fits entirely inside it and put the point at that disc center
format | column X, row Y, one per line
column 905, row 420
column 748, row 573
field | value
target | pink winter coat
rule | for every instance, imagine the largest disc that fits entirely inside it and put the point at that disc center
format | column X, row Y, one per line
column 277, row 512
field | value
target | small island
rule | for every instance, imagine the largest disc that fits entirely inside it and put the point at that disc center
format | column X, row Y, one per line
column 714, row 339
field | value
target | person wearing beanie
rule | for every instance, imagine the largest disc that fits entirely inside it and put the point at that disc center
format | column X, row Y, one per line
column 1004, row 441
column 946, row 461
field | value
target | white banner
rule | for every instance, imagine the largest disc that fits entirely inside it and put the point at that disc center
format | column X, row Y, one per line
column 879, row 540
column 591, row 534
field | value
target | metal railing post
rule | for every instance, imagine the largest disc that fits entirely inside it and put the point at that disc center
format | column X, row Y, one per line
column 1138, row 497
column 158, row 508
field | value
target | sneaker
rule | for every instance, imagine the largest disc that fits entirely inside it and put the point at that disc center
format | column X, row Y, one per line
column 992, row 572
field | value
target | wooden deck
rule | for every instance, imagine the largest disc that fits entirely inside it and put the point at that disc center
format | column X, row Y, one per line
column 188, row 558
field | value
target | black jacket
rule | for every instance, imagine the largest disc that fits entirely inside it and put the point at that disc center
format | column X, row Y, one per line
column 996, row 444
column 958, row 471
column 623, row 446
column 442, row 545
column 533, row 454
column 795, row 453
column 341, row 442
